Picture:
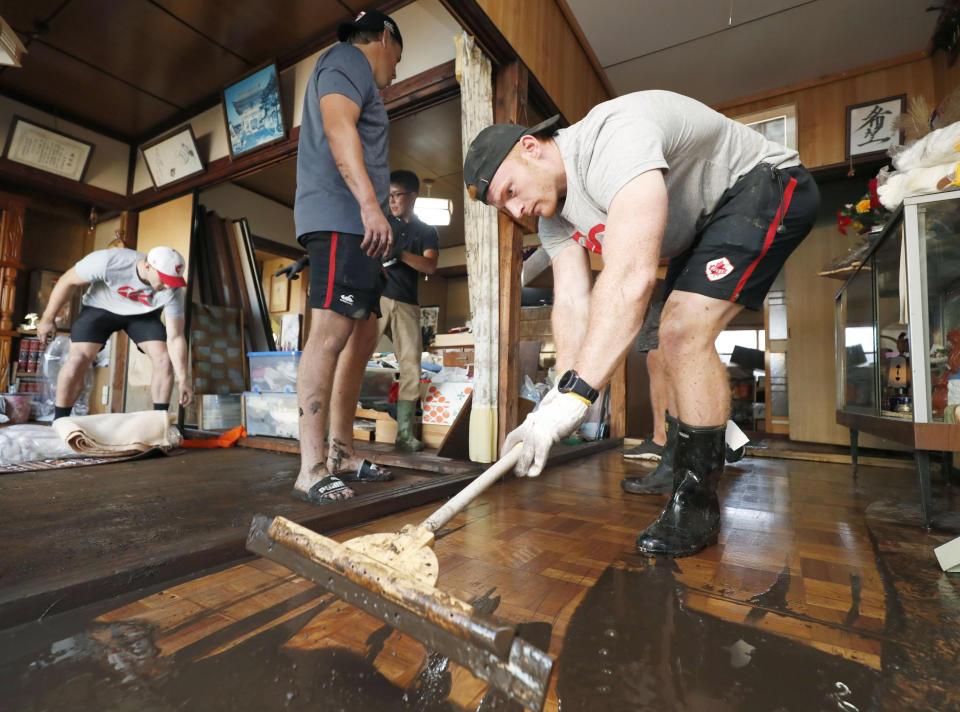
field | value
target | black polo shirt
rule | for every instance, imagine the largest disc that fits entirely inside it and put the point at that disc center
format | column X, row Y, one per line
column 416, row 237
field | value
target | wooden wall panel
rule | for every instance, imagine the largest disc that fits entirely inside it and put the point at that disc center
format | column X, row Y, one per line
column 166, row 224
column 821, row 105
column 811, row 365
column 541, row 35
column 945, row 79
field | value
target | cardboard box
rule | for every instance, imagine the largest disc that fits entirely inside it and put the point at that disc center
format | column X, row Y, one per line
column 386, row 427
column 443, row 401
column 458, row 357
column 464, row 338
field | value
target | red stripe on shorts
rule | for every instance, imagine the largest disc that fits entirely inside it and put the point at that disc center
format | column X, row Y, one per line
column 332, row 271
column 771, row 233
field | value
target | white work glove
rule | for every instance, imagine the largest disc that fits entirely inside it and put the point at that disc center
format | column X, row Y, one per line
column 557, row 417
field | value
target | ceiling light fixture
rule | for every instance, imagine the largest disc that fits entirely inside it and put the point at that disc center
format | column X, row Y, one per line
column 433, row 211
column 11, row 48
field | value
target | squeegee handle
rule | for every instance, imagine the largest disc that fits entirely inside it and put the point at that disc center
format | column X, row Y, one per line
column 453, row 507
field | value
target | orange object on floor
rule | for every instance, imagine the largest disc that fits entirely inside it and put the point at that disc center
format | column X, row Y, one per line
column 228, row 439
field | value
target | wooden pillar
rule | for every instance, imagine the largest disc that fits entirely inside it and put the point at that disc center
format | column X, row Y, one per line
column 618, row 401
column 11, row 240
column 482, row 246
column 510, row 106
column 118, row 359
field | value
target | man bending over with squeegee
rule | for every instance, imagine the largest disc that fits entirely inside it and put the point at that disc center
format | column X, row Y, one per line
column 646, row 175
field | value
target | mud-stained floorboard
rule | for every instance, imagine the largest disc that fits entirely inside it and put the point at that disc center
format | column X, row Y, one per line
column 822, row 594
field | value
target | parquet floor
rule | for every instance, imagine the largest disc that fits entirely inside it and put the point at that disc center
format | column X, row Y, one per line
column 822, row 591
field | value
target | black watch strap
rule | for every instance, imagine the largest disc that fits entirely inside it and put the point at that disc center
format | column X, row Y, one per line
column 570, row 382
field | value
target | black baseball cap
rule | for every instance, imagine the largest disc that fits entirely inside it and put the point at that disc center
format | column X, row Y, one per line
column 369, row 21
column 491, row 146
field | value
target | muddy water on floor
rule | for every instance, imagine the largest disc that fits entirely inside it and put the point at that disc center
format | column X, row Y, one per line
column 70, row 664
column 633, row 645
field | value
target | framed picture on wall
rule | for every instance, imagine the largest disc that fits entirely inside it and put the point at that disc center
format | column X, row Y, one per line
column 778, row 124
column 47, row 149
column 870, row 127
column 252, row 111
column 172, row 157
column 279, row 294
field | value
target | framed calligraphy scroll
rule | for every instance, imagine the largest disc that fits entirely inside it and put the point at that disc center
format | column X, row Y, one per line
column 870, row 127
column 47, row 150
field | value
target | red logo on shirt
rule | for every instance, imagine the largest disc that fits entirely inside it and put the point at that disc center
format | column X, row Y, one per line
column 718, row 269
column 592, row 239
column 137, row 295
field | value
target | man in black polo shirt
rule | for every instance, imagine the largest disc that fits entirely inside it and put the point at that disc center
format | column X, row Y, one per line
column 415, row 251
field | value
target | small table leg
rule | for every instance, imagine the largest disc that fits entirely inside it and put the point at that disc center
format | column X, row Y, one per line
column 854, row 439
column 922, row 459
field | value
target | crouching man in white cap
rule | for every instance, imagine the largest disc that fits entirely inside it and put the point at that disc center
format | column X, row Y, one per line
column 126, row 290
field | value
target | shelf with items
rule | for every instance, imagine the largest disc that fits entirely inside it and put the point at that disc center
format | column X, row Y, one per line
column 898, row 335
column 26, row 370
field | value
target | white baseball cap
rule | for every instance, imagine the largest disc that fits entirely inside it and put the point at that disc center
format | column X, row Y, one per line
column 169, row 265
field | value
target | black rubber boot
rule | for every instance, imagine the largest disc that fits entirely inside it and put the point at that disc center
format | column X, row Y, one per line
column 660, row 480
column 691, row 520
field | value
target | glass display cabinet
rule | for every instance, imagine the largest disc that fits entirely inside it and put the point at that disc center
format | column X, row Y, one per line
column 898, row 336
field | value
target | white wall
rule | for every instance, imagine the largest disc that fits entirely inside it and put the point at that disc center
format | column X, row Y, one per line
column 109, row 160
column 267, row 218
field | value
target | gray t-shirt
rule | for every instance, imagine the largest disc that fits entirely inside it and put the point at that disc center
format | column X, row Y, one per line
column 324, row 202
column 115, row 286
column 701, row 152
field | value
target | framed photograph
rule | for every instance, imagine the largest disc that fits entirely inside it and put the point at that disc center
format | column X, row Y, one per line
column 172, row 157
column 279, row 294
column 251, row 109
column 47, row 150
column 870, row 129
column 778, row 124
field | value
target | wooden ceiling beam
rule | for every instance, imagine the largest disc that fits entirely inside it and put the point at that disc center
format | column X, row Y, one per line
column 284, row 61
column 26, row 177
column 496, row 46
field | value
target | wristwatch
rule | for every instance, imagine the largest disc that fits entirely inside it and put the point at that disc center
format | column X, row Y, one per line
column 570, row 382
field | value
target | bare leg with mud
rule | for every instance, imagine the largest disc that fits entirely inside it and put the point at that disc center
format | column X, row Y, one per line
column 346, row 390
column 329, row 334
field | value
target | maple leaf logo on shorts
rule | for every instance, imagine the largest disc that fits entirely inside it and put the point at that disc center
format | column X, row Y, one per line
column 718, row 269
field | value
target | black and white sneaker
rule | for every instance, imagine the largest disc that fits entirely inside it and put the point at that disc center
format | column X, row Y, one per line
column 646, row 450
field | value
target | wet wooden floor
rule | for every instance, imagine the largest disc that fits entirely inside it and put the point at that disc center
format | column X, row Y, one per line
column 831, row 578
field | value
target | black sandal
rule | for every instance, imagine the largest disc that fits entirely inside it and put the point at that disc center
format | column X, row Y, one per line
column 325, row 491
column 366, row 472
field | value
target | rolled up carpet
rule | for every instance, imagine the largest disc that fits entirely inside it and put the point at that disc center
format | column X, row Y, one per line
column 118, row 433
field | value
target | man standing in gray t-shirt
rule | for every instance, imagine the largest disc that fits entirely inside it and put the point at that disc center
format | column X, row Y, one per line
column 646, row 175
column 343, row 184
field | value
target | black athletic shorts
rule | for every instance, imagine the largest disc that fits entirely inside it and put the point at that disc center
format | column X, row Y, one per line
column 343, row 278
column 95, row 326
column 741, row 246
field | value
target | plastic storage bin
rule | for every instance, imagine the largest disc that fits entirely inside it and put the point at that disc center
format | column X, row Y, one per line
column 271, row 414
column 273, row 371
